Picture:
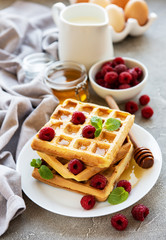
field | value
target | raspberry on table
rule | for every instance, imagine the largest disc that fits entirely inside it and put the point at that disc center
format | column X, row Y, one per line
column 118, row 60
column 75, row 166
column 110, row 77
column 47, row 133
column 125, row 184
column 88, row 202
column 147, row 112
column 120, row 68
column 119, row 222
column 144, row 99
column 131, row 107
column 78, row 118
column 98, row 181
column 125, row 77
column 140, row 212
column 88, row 131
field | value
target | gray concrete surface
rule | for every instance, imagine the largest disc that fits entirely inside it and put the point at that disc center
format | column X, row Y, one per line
column 37, row 223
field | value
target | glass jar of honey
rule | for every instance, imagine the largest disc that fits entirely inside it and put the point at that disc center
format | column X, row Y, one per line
column 67, row 80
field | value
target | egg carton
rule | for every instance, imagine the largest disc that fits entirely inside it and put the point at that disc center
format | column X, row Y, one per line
column 132, row 28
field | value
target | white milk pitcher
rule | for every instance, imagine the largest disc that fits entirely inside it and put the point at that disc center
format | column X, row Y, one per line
column 84, row 33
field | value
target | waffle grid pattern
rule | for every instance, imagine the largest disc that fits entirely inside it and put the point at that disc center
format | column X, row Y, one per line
column 69, row 143
column 112, row 174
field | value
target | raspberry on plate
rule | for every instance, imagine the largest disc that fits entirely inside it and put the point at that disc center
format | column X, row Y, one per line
column 147, row 112
column 125, row 184
column 47, row 133
column 78, row 118
column 88, row 131
column 140, row 212
column 119, row 222
column 75, row 166
column 131, row 107
column 88, row 202
column 125, row 77
column 144, row 99
column 98, row 181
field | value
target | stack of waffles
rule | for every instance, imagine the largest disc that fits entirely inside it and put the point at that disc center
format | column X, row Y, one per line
column 108, row 154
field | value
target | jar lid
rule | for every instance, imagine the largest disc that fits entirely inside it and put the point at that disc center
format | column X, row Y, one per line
column 35, row 63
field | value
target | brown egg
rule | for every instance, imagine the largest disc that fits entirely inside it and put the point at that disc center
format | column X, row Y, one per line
column 102, row 3
column 116, row 17
column 81, row 1
column 137, row 9
column 120, row 3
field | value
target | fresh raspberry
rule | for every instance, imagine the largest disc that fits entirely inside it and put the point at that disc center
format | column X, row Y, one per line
column 135, row 82
column 124, row 86
column 120, row 68
column 106, row 63
column 131, row 107
column 101, row 82
column 88, row 202
column 98, row 181
column 47, row 133
column 125, row 184
column 119, row 222
column 140, row 212
column 118, row 60
column 147, row 112
column 105, row 69
column 110, row 77
column 144, row 99
column 125, row 77
column 88, row 131
column 75, row 166
column 139, row 72
column 133, row 73
column 78, row 118
column 98, row 75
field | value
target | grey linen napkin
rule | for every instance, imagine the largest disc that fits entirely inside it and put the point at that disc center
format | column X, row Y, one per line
column 24, row 106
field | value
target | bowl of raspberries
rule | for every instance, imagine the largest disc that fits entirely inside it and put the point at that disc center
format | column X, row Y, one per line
column 121, row 77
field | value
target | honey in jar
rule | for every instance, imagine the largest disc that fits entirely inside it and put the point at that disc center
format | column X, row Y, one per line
column 67, row 80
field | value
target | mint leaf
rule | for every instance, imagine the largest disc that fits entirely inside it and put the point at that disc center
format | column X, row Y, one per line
column 118, row 195
column 36, row 163
column 112, row 124
column 45, row 172
column 97, row 123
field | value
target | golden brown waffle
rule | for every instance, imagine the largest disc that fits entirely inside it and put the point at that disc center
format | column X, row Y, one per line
column 68, row 142
column 61, row 165
column 112, row 174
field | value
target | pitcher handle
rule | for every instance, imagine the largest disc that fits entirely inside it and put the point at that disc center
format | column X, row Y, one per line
column 56, row 10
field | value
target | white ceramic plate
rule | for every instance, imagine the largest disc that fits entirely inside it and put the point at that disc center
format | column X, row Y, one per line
column 67, row 203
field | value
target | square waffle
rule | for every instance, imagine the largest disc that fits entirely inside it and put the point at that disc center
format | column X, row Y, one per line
column 60, row 165
column 68, row 142
column 112, row 174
